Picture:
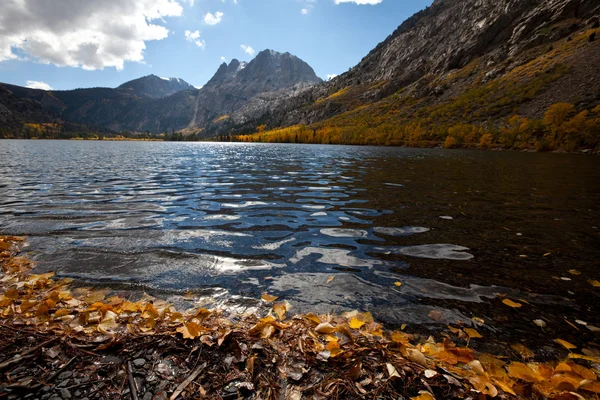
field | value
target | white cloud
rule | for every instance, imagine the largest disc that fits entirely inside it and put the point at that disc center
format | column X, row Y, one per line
column 83, row 33
column 38, row 85
column 223, row 59
column 194, row 37
column 213, row 19
column 248, row 49
column 308, row 6
column 331, row 76
column 359, row 2
column 190, row 2
column 199, row 87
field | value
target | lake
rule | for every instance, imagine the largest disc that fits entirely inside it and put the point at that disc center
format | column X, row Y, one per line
column 424, row 237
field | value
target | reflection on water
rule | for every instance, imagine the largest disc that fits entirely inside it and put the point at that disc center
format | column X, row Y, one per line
column 456, row 228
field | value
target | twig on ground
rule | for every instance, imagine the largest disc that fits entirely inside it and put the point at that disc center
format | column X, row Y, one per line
column 132, row 384
column 187, row 381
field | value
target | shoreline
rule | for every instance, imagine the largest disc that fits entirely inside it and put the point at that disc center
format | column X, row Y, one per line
column 62, row 343
column 438, row 145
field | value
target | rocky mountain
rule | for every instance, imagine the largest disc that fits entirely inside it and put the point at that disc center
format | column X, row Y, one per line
column 155, row 87
column 474, row 61
column 236, row 92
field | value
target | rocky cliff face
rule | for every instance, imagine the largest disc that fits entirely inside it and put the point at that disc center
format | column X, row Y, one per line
column 446, row 37
column 155, row 87
column 240, row 91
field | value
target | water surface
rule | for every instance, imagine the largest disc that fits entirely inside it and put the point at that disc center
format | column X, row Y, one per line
column 459, row 229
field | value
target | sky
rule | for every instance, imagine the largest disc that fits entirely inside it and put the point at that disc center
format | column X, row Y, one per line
column 68, row 44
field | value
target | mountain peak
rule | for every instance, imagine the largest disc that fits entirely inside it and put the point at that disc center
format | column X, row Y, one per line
column 155, row 87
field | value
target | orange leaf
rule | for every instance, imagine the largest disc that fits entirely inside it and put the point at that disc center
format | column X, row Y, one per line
column 268, row 298
column 472, row 333
column 511, row 303
column 565, row 344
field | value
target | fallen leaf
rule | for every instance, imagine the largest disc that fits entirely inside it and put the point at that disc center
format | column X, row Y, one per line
column 191, row 330
column 392, row 372
column 540, row 322
column 355, row 371
column 547, row 254
column 356, row 323
column 429, row 373
column 574, row 272
column 268, row 298
column 591, row 386
column 325, row 328
column 523, row 351
column 511, row 303
column 416, row 356
column 108, row 324
column 565, row 344
column 472, row 333
column 521, row 371
column 280, row 309
column 330, row 279
column 398, row 284
column 594, row 283
column 423, row 396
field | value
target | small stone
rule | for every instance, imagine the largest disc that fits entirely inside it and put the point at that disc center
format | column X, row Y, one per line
column 65, row 394
column 139, row 362
column 78, row 394
column 63, row 384
column 65, row 375
column 147, row 396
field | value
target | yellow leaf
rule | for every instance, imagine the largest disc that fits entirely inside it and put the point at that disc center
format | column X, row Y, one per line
column 398, row 284
column 129, row 307
column 202, row 313
column 584, row 357
column 280, row 309
column 268, row 298
column 521, row 371
column 191, row 330
column 312, row 317
column 511, row 303
column 594, row 283
column 330, row 279
column 547, row 254
column 61, row 313
column 108, row 323
column 565, row 344
column 150, row 311
column 574, row 272
column 472, row 333
column 356, row 323
column 325, row 328
column 423, row 396
column 523, row 351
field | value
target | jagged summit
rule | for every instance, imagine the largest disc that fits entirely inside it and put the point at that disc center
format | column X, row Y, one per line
column 155, row 87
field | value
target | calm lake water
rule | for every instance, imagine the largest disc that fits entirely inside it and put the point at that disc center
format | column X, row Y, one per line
column 231, row 221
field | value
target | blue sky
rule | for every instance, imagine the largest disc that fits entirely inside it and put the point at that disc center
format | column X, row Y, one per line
column 78, row 43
